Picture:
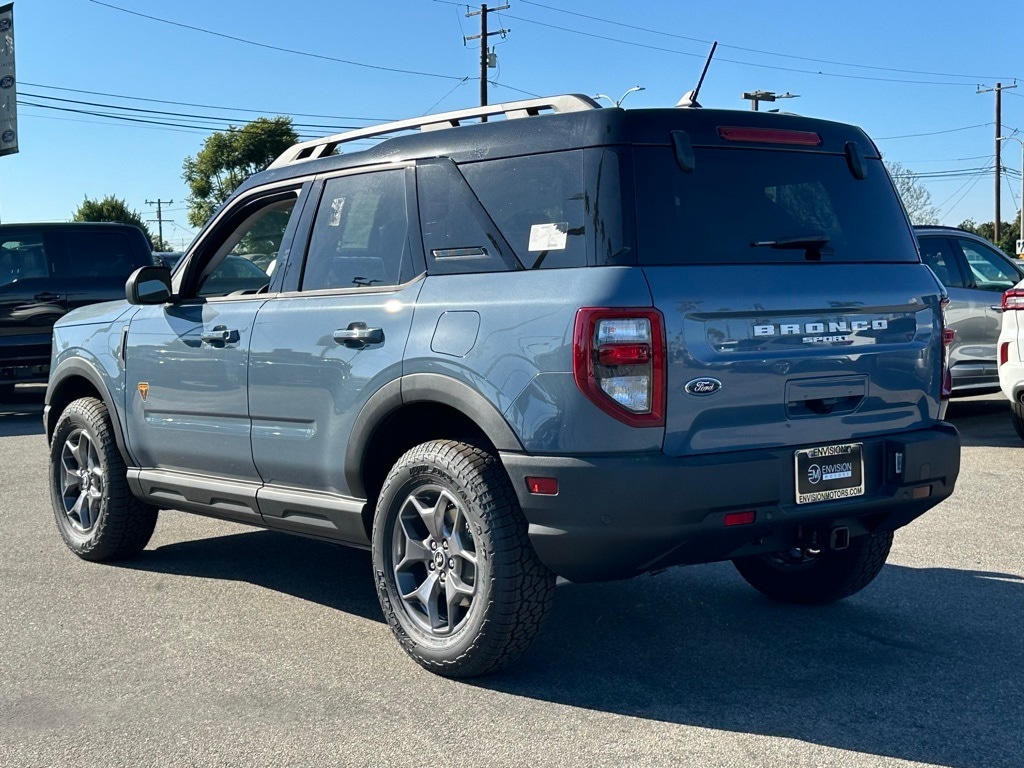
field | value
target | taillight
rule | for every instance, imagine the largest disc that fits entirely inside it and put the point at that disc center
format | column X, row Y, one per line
column 948, row 334
column 619, row 363
column 1013, row 299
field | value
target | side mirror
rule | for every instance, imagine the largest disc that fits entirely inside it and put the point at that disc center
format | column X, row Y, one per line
column 148, row 285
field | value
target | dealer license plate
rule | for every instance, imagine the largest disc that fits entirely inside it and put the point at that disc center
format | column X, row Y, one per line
column 829, row 472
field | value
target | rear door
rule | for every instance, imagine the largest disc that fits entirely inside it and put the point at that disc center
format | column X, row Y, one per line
column 333, row 337
column 796, row 308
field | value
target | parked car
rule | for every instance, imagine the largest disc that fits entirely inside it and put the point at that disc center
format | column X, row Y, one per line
column 576, row 342
column 975, row 274
column 169, row 259
column 49, row 269
column 1011, row 354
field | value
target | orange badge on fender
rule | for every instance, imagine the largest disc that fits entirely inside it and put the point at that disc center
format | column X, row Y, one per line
column 144, row 390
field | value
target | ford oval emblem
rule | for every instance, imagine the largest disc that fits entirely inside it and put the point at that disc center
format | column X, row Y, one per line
column 703, row 386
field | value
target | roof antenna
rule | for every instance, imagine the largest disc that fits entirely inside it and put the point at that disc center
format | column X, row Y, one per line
column 690, row 97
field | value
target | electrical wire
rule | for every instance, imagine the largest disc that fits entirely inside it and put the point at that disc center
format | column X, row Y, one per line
column 755, row 50
column 203, row 106
column 932, row 133
column 281, row 49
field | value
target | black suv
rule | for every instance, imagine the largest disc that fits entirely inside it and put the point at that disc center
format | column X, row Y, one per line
column 49, row 269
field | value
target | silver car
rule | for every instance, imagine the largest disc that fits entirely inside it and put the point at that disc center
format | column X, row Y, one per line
column 975, row 274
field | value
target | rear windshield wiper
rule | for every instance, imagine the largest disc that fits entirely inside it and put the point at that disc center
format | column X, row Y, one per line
column 815, row 240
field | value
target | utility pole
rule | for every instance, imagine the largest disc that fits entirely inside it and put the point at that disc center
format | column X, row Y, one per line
column 159, row 216
column 485, row 60
column 999, row 131
column 755, row 97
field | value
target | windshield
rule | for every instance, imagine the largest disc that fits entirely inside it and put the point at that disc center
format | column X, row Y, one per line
column 748, row 206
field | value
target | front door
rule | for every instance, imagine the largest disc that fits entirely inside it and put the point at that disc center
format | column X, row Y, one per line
column 186, row 362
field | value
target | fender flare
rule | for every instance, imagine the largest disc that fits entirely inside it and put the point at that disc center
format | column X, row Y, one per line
column 424, row 388
column 79, row 368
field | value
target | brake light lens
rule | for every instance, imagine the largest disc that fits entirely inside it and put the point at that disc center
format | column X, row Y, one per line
column 948, row 334
column 1013, row 299
column 770, row 136
column 619, row 363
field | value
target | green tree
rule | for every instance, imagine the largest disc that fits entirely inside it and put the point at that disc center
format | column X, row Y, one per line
column 110, row 208
column 1009, row 232
column 228, row 158
column 916, row 198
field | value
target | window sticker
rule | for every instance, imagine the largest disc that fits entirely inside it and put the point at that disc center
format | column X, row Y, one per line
column 337, row 206
column 549, row 237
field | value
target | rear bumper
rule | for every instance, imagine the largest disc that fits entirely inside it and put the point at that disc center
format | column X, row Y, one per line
column 618, row 516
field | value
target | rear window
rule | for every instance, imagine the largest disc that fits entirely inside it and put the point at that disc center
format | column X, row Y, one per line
column 746, row 206
column 99, row 254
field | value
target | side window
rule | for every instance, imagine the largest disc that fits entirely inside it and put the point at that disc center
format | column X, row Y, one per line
column 538, row 203
column 22, row 256
column 989, row 270
column 99, row 254
column 361, row 233
column 244, row 262
column 458, row 235
column 937, row 254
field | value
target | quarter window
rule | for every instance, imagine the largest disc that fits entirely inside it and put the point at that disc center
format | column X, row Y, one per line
column 936, row 253
column 538, row 203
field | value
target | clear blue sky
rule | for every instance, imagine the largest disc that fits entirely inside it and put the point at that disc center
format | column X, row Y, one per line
column 896, row 68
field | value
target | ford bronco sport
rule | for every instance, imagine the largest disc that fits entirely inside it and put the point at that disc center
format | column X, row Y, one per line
column 575, row 342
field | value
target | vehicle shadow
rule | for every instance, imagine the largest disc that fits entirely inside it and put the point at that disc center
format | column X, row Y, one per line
column 21, row 413
column 339, row 578
column 984, row 421
column 925, row 665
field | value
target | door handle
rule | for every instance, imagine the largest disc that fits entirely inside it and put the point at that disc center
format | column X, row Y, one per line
column 357, row 335
column 220, row 335
column 47, row 296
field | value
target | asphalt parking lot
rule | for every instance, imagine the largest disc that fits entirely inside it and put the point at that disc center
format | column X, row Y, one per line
column 229, row 646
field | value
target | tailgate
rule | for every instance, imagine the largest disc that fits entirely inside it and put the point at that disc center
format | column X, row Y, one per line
column 787, row 355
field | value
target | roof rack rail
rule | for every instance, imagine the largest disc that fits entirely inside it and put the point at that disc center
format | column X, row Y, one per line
column 318, row 148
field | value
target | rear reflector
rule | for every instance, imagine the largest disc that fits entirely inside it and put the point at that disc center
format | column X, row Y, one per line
column 922, row 492
column 770, row 136
column 948, row 334
column 1004, row 353
column 542, row 486
column 1013, row 299
column 740, row 518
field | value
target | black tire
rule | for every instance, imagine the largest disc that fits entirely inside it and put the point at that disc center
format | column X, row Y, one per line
column 448, row 527
column 97, row 515
column 831, row 576
column 1017, row 413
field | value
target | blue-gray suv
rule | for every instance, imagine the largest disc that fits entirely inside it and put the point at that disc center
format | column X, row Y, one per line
column 565, row 342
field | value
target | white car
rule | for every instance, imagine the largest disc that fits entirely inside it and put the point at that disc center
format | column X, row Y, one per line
column 1011, row 353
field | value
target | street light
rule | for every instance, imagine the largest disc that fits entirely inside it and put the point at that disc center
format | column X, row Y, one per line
column 619, row 102
column 1020, row 235
column 755, row 97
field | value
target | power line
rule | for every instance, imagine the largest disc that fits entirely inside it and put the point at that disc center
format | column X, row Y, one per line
column 754, row 50
column 204, row 106
column 931, row 133
column 281, row 49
